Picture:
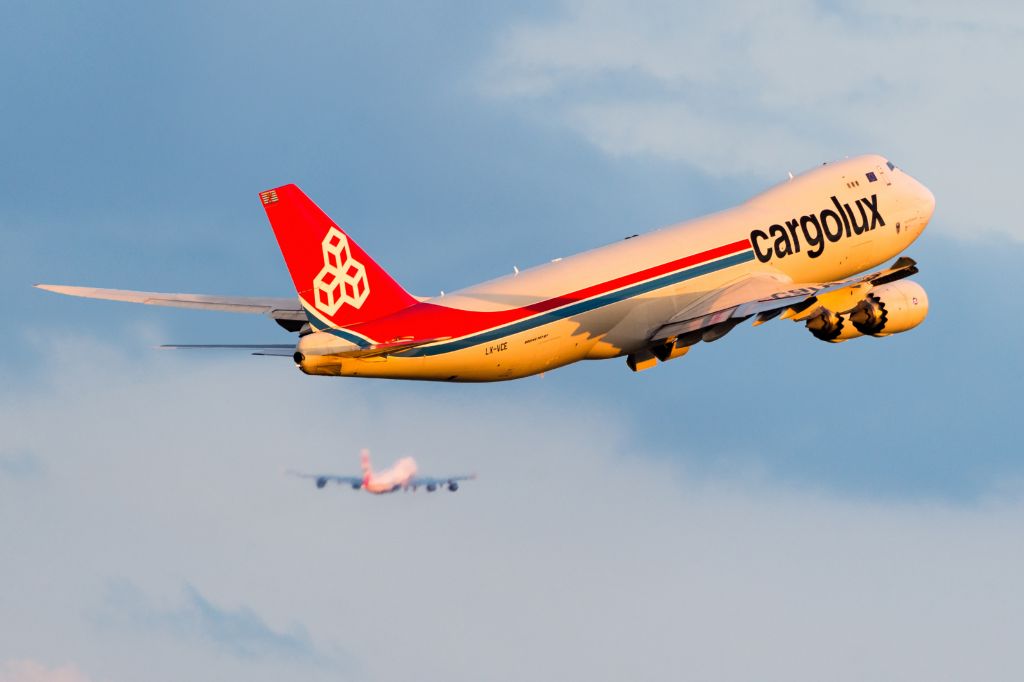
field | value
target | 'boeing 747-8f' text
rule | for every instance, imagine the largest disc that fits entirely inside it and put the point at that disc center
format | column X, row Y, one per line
column 793, row 251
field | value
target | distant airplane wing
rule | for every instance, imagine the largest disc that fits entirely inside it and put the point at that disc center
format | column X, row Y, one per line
column 286, row 310
column 323, row 479
column 770, row 296
column 428, row 481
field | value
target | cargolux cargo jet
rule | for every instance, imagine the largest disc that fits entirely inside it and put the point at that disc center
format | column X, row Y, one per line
column 793, row 252
column 402, row 475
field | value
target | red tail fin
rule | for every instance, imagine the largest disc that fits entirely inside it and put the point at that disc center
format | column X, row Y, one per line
column 338, row 283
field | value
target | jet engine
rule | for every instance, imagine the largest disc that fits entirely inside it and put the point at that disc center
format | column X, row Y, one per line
column 886, row 309
column 891, row 309
column 453, row 486
column 831, row 326
column 321, row 482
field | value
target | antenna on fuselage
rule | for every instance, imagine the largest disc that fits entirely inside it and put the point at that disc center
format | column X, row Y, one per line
column 790, row 175
column 515, row 270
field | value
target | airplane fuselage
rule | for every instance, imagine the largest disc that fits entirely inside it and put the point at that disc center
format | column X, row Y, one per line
column 823, row 225
column 389, row 480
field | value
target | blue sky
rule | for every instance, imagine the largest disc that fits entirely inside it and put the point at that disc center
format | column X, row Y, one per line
column 454, row 143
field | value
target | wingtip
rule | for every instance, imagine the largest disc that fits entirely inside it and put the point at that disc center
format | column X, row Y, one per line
column 65, row 289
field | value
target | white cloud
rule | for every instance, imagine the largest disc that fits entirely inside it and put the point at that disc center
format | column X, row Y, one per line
column 235, row 631
column 31, row 671
column 751, row 88
column 612, row 127
column 574, row 556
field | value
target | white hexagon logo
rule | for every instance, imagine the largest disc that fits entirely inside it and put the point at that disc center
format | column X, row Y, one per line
column 342, row 279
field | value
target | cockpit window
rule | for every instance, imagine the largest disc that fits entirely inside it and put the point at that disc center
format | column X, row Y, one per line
column 891, row 165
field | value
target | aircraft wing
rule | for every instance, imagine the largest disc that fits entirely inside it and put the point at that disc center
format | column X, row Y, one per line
column 286, row 309
column 323, row 479
column 448, row 480
column 769, row 296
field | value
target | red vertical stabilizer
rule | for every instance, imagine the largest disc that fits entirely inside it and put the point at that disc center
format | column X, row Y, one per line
column 338, row 283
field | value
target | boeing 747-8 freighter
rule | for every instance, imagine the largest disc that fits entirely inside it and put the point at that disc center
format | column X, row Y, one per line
column 402, row 475
column 793, row 251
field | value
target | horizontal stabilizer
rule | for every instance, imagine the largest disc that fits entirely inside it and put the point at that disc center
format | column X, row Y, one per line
column 280, row 349
column 279, row 308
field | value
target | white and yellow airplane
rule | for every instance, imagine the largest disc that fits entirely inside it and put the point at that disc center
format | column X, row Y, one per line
column 400, row 476
column 791, row 252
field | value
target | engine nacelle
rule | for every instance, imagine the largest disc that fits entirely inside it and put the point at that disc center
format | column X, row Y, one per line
column 831, row 326
column 891, row 309
column 887, row 309
column 453, row 486
column 321, row 482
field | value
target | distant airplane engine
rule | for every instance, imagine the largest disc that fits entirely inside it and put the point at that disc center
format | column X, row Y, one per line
column 891, row 309
column 321, row 482
column 453, row 486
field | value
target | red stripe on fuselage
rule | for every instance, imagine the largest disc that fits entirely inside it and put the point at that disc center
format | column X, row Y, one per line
column 429, row 320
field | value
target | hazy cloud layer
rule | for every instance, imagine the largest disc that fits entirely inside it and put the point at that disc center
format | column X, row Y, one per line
column 749, row 88
column 20, row 464
column 33, row 671
column 575, row 555
column 238, row 631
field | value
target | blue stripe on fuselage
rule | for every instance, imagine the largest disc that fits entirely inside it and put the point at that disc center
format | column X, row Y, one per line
column 341, row 333
column 580, row 307
column 319, row 325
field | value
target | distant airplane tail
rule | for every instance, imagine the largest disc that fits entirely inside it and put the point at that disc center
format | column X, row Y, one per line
column 364, row 462
column 338, row 283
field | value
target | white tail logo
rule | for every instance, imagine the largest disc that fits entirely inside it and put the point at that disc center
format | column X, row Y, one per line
column 342, row 279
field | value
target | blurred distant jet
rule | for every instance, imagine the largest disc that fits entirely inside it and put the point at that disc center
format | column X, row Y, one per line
column 401, row 476
column 791, row 252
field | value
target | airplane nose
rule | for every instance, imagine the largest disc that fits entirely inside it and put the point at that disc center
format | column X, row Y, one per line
column 921, row 203
column 927, row 205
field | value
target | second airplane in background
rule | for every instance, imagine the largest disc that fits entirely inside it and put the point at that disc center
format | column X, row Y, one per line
column 791, row 252
column 400, row 476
